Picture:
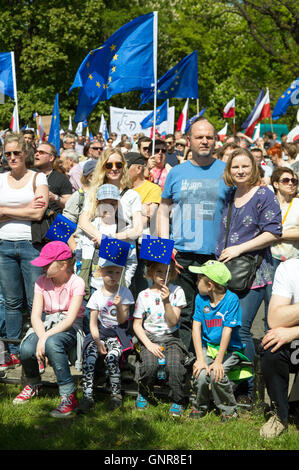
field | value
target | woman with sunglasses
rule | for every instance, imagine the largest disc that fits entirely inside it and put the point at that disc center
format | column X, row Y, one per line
column 157, row 162
column 19, row 206
column 112, row 169
column 255, row 224
column 285, row 184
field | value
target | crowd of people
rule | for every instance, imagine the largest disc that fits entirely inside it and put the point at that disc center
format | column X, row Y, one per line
column 216, row 200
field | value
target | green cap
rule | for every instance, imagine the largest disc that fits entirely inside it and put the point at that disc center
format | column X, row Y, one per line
column 214, row 270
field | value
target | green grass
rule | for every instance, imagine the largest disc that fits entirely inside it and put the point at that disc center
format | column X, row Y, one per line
column 29, row 427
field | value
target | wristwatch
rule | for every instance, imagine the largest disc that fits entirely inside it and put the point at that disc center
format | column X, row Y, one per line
column 58, row 197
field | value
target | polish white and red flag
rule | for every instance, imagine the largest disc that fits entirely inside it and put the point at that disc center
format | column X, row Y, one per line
column 14, row 120
column 181, row 124
column 263, row 111
column 293, row 134
column 229, row 109
column 222, row 133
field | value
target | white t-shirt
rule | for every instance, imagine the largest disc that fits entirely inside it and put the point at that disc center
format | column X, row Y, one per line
column 129, row 204
column 149, row 305
column 16, row 230
column 288, row 250
column 286, row 280
column 106, row 308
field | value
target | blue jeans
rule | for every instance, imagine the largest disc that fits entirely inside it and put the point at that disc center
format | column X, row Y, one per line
column 2, row 315
column 17, row 279
column 56, row 349
column 250, row 304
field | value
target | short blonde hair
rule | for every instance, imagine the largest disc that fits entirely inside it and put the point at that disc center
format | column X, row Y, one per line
column 255, row 178
column 99, row 177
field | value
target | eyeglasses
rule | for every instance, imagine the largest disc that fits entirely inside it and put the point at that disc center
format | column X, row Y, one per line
column 110, row 165
column 294, row 181
column 96, row 148
column 17, row 153
column 160, row 150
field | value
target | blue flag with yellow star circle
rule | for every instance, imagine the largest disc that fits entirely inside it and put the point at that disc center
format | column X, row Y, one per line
column 156, row 249
column 114, row 250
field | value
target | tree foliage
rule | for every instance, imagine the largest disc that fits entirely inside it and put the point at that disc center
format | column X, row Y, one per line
column 243, row 46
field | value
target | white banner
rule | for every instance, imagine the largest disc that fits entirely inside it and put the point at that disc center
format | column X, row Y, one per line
column 127, row 121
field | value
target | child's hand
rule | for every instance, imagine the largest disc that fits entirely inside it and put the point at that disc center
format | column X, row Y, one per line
column 155, row 349
column 198, row 366
column 102, row 349
column 165, row 293
column 117, row 300
column 218, row 371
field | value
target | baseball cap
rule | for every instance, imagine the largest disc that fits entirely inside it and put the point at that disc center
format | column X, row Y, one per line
column 214, row 270
column 108, row 191
column 135, row 158
column 53, row 251
column 89, row 167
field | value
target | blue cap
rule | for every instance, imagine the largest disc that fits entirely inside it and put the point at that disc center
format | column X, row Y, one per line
column 108, row 191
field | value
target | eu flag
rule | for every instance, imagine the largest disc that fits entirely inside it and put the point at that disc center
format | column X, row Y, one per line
column 6, row 74
column 161, row 116
column 125, row 62
column 54, row 134
column 61, row 229
column 289, row 98
column 114, row 250
column 156, row 249
column 192, row 119
column 179, row 82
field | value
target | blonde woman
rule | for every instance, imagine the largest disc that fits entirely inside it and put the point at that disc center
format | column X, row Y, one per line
column 112, row 169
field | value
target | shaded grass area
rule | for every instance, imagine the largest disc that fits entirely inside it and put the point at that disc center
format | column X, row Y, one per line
column 29, row 427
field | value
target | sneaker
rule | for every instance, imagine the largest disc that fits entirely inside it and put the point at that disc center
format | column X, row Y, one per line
column 12, row 362
column 176, row 410
column 27, row 393
column 115, row 402
column 67, row 404
column 141, row 403
column 85, row 405
column 227, row 417
column 41, row 367
column 195, row 414
column 272, row 428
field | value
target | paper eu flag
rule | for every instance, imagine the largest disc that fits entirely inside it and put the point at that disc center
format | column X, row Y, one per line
column 114, row 250
column 61, row 229
column 156, row 249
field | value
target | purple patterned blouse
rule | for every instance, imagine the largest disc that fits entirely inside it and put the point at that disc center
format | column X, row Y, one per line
column 260, row 214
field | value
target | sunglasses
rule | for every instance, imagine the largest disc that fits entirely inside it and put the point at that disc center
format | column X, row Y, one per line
column 42, row 152
column 110, row 165
column 96, row 148
column 17, row 153
column 294, row 181
column 160, row 150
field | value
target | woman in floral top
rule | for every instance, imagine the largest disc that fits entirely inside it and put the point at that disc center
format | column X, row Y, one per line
column 255, row 225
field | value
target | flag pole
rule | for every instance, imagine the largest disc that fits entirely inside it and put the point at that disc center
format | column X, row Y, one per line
column 15, row 88
column 167, row 273
column 121, row 277
column 155, row 55
column 234, row 125
column 197, row 106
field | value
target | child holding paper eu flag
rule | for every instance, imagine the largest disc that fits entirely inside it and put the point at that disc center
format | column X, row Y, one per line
column 156, row 323
column 108, row 337
column 105, row 221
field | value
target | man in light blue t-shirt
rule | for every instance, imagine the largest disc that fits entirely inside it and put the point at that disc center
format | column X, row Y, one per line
column 194, row 196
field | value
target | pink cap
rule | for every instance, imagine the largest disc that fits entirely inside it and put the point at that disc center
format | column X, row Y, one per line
column 53, row 251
